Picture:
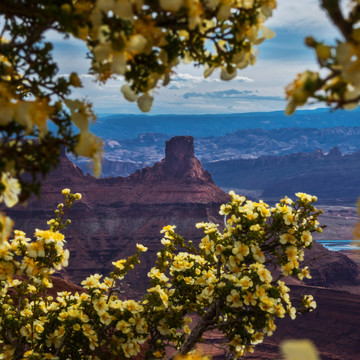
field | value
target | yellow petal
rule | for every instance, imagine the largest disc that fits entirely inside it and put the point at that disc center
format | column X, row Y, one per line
column 129, row 94
column 267, row 33
column 299, row 350
column 225, row 75
column 145, row 102
column 171, row 5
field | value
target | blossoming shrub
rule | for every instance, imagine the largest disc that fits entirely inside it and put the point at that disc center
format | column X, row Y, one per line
column 225, row 281
column 337, row 83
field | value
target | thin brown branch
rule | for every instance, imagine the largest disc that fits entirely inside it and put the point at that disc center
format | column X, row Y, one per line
column 332, row 7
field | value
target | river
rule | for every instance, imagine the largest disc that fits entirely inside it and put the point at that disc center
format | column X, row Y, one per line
column 337, row 245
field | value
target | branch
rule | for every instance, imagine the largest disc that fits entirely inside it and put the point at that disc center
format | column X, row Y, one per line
column 332, row 7
column 196, row 334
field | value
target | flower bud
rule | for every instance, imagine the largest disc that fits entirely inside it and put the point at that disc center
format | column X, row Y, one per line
column 145, row 102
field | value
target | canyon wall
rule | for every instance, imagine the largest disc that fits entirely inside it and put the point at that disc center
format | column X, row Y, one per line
column 116, row 213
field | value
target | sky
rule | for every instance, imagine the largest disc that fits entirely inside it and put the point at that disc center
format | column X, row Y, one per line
column 256, row 88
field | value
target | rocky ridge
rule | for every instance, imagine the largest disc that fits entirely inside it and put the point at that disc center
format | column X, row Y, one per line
column 122, row 156
column 331, row 176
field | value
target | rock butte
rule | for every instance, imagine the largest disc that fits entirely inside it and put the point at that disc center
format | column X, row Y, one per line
column 116, row 213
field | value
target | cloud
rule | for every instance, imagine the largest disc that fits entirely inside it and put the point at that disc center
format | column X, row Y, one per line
column 304, row 17
column 184, row 77
column 232, row 94
column 258, row 88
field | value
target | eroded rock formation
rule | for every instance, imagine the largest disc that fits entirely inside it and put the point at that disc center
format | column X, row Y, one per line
column 116, row 213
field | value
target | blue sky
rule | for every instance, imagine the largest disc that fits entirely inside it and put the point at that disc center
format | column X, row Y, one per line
column 257, row 88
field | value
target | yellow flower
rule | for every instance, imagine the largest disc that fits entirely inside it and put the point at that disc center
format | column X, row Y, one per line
column 123, row 326
column 255, row 227
column 100, row 306
column 250, row 215
column 87, row 330
column 91, row 281
column 291, row 252
column 171, row 5
column 287, row 238
column 7, row 269
column 11, row 190
column 267, row 305
column 141, row 248
column 141, row 325
column 158, row 354
column 6, row 225
column 36, row 249
column 249, row 298
column 5, row 253
column 270, row 328
column 264, row 275
column 163, row 296
column 261, row 292
column 245, row 282
column 257, row 338
column 144, row 102
column 90, row 145
column 26, row 312
column 305, row 272
column 306, row 237
column 299, row 350
column 168, row 228
column 290, row 219
column 105, row 318
column 163, row 327
column 304, row 197
column 234, row 298
column 258, row 254
column 187, row 330
column 157, row 274
column 287, row 269
column 240, row 250
column 308, row 301
column 207, row 244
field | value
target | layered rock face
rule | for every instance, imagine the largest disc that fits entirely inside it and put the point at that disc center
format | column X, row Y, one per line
column 331, row 177
column 116, row 213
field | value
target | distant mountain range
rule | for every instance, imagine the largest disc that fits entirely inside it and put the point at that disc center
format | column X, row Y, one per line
column 123, row 157
column 267, row 162
column 333, row 177
column 122, row 126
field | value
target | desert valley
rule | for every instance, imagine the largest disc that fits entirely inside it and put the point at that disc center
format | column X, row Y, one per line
column 117, row 212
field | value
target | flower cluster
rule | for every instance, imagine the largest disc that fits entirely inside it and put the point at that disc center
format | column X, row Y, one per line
column 9, row 189
column 140, row 40
column 338, row 82
column 224, row 283
column 9, row 192
column 144, row 41
column 227, row 280
column 89, row 325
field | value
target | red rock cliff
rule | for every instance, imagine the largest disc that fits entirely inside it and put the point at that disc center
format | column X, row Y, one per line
column 116, row 213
